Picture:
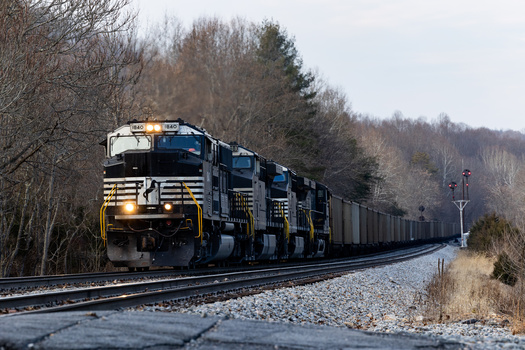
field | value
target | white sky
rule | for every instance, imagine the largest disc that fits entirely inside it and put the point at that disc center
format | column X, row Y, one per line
column 420, row 57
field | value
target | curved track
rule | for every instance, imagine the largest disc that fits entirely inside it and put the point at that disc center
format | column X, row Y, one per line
column 138, row 293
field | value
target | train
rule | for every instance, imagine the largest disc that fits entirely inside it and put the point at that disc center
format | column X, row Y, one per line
column 176, row 196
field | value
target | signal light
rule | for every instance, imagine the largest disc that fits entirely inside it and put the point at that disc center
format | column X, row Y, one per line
column 466, row 173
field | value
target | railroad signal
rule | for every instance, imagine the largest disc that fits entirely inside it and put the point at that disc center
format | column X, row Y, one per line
column 460, row 204
column 452, row 186
column 466, row 174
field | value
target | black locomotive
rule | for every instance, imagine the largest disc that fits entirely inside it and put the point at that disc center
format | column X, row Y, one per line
column 176, row 196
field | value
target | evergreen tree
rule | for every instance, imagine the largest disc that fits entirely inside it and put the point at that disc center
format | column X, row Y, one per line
column 279, row 59
column 488, row 231
column 276, row 50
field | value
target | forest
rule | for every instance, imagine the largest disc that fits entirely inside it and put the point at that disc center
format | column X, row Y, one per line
column 73, row 70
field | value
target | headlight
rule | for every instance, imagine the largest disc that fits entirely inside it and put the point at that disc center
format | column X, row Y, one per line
column 168, row 206
column 129, row 207
column 153, row 127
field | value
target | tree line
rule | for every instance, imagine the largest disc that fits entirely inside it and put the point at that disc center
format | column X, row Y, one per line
column 66, row 72
column 72, row 70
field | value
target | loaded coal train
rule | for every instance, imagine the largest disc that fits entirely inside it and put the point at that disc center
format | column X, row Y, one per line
column 176, row 196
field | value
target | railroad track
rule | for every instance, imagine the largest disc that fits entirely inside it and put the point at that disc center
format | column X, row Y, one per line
column 20, row 283
column 132, row 294
column 11, row 284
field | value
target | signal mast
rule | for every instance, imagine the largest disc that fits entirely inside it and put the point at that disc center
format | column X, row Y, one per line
column 461, row 203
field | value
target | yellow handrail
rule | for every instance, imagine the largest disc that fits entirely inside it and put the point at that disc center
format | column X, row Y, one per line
column 286, row 223
column 311, row 223
column 199, row 211
column 251, row 223
column 103, row 212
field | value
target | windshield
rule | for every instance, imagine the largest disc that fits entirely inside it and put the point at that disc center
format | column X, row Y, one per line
column 119, row 144
column 281, row 178
column 242, row 163
column 190, row 143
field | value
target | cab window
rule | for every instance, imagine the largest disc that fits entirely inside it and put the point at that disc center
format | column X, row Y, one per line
column 119, row 144
column 242, row 163
column 190, row 143
column 281, row 178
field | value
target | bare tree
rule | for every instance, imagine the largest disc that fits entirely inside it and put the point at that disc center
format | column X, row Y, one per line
column 391, row 171
column 66, row 68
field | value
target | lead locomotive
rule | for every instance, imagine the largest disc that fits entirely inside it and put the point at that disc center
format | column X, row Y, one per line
column 176, row 196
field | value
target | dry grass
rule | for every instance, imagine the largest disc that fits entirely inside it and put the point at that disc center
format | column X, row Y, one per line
column 465, row 290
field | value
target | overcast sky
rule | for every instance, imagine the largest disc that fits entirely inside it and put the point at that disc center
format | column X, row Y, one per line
column 464, row 58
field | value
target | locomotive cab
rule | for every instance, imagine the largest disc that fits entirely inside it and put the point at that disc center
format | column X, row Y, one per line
column 249, row 177
column 159, row 207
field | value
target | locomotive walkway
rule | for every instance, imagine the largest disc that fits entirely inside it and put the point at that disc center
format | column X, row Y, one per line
column 154, row 330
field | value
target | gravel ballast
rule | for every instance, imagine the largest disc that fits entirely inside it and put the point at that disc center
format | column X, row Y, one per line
column 388, row 299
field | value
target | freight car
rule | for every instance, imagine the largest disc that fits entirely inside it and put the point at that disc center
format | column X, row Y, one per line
column 176, row 196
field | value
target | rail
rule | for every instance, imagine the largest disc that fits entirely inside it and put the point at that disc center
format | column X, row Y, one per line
column 286, row 223
column 250, row 224
column 133, row 294
column 103, row 213
column 199, row 211
column 308, row 216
